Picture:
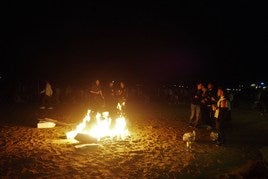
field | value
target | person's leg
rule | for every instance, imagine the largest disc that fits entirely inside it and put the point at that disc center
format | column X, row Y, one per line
column 49, row 102
column 192, row 113
column 218, row 130
column 43, row 100
column 217, row 125
column 197, row 114
column 211, row 117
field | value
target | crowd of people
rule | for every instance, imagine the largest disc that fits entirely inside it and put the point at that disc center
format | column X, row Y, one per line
column 106, row 98
column 99, row 97
column 211, row 107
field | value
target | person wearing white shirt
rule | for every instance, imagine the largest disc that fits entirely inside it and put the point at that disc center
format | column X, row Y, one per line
column 47, row 94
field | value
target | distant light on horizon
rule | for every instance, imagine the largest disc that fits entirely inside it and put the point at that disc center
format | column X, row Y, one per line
column 253, row 85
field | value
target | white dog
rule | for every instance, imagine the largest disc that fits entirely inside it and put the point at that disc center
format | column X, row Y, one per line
column 189, row 138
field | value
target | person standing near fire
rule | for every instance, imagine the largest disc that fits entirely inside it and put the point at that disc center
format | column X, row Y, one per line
column 122, row 95
column 46, row 93
column 96, row 97
column 196, row 105
column 110, row 98
column 222, row 115
column 212, row 100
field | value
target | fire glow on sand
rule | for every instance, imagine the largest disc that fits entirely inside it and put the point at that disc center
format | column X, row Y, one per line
column 102, row 127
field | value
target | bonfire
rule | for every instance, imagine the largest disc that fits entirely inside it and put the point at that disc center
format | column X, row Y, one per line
column 102, row 126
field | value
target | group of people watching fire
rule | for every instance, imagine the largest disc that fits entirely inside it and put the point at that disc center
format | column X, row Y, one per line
column 211, row 107
column 101, row 98
column 108, row 97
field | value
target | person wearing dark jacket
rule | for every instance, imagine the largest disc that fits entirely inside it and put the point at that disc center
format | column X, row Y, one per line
column 97, row 98
column 212, row 100
column 110, row 98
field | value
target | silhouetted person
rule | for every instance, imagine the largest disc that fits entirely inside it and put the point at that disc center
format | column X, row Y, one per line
column 110, row 98
column 96, row 97
column 122, row 95
column 196, row 105
column 211, row 100
column 47, row 93
column 204, row 103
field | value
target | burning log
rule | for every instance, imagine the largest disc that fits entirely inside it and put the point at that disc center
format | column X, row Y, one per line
column 102, row 127
column 85, row 138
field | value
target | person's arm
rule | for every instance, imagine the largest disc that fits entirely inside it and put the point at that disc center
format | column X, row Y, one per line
column 94, row 92
column 97, row 93
column 101, row 94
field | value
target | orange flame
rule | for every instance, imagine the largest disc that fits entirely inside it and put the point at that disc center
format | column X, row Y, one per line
column 103, row 127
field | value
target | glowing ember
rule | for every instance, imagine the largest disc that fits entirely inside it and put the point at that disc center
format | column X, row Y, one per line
column 102, row 126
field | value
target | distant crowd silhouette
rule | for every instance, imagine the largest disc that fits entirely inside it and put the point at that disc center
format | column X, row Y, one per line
column 210, row 105
column 172, row 95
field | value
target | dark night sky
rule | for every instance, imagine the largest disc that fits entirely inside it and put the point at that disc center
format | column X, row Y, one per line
column 158, row 40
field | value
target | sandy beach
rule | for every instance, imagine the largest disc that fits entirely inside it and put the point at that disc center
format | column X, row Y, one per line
column 154, row 148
